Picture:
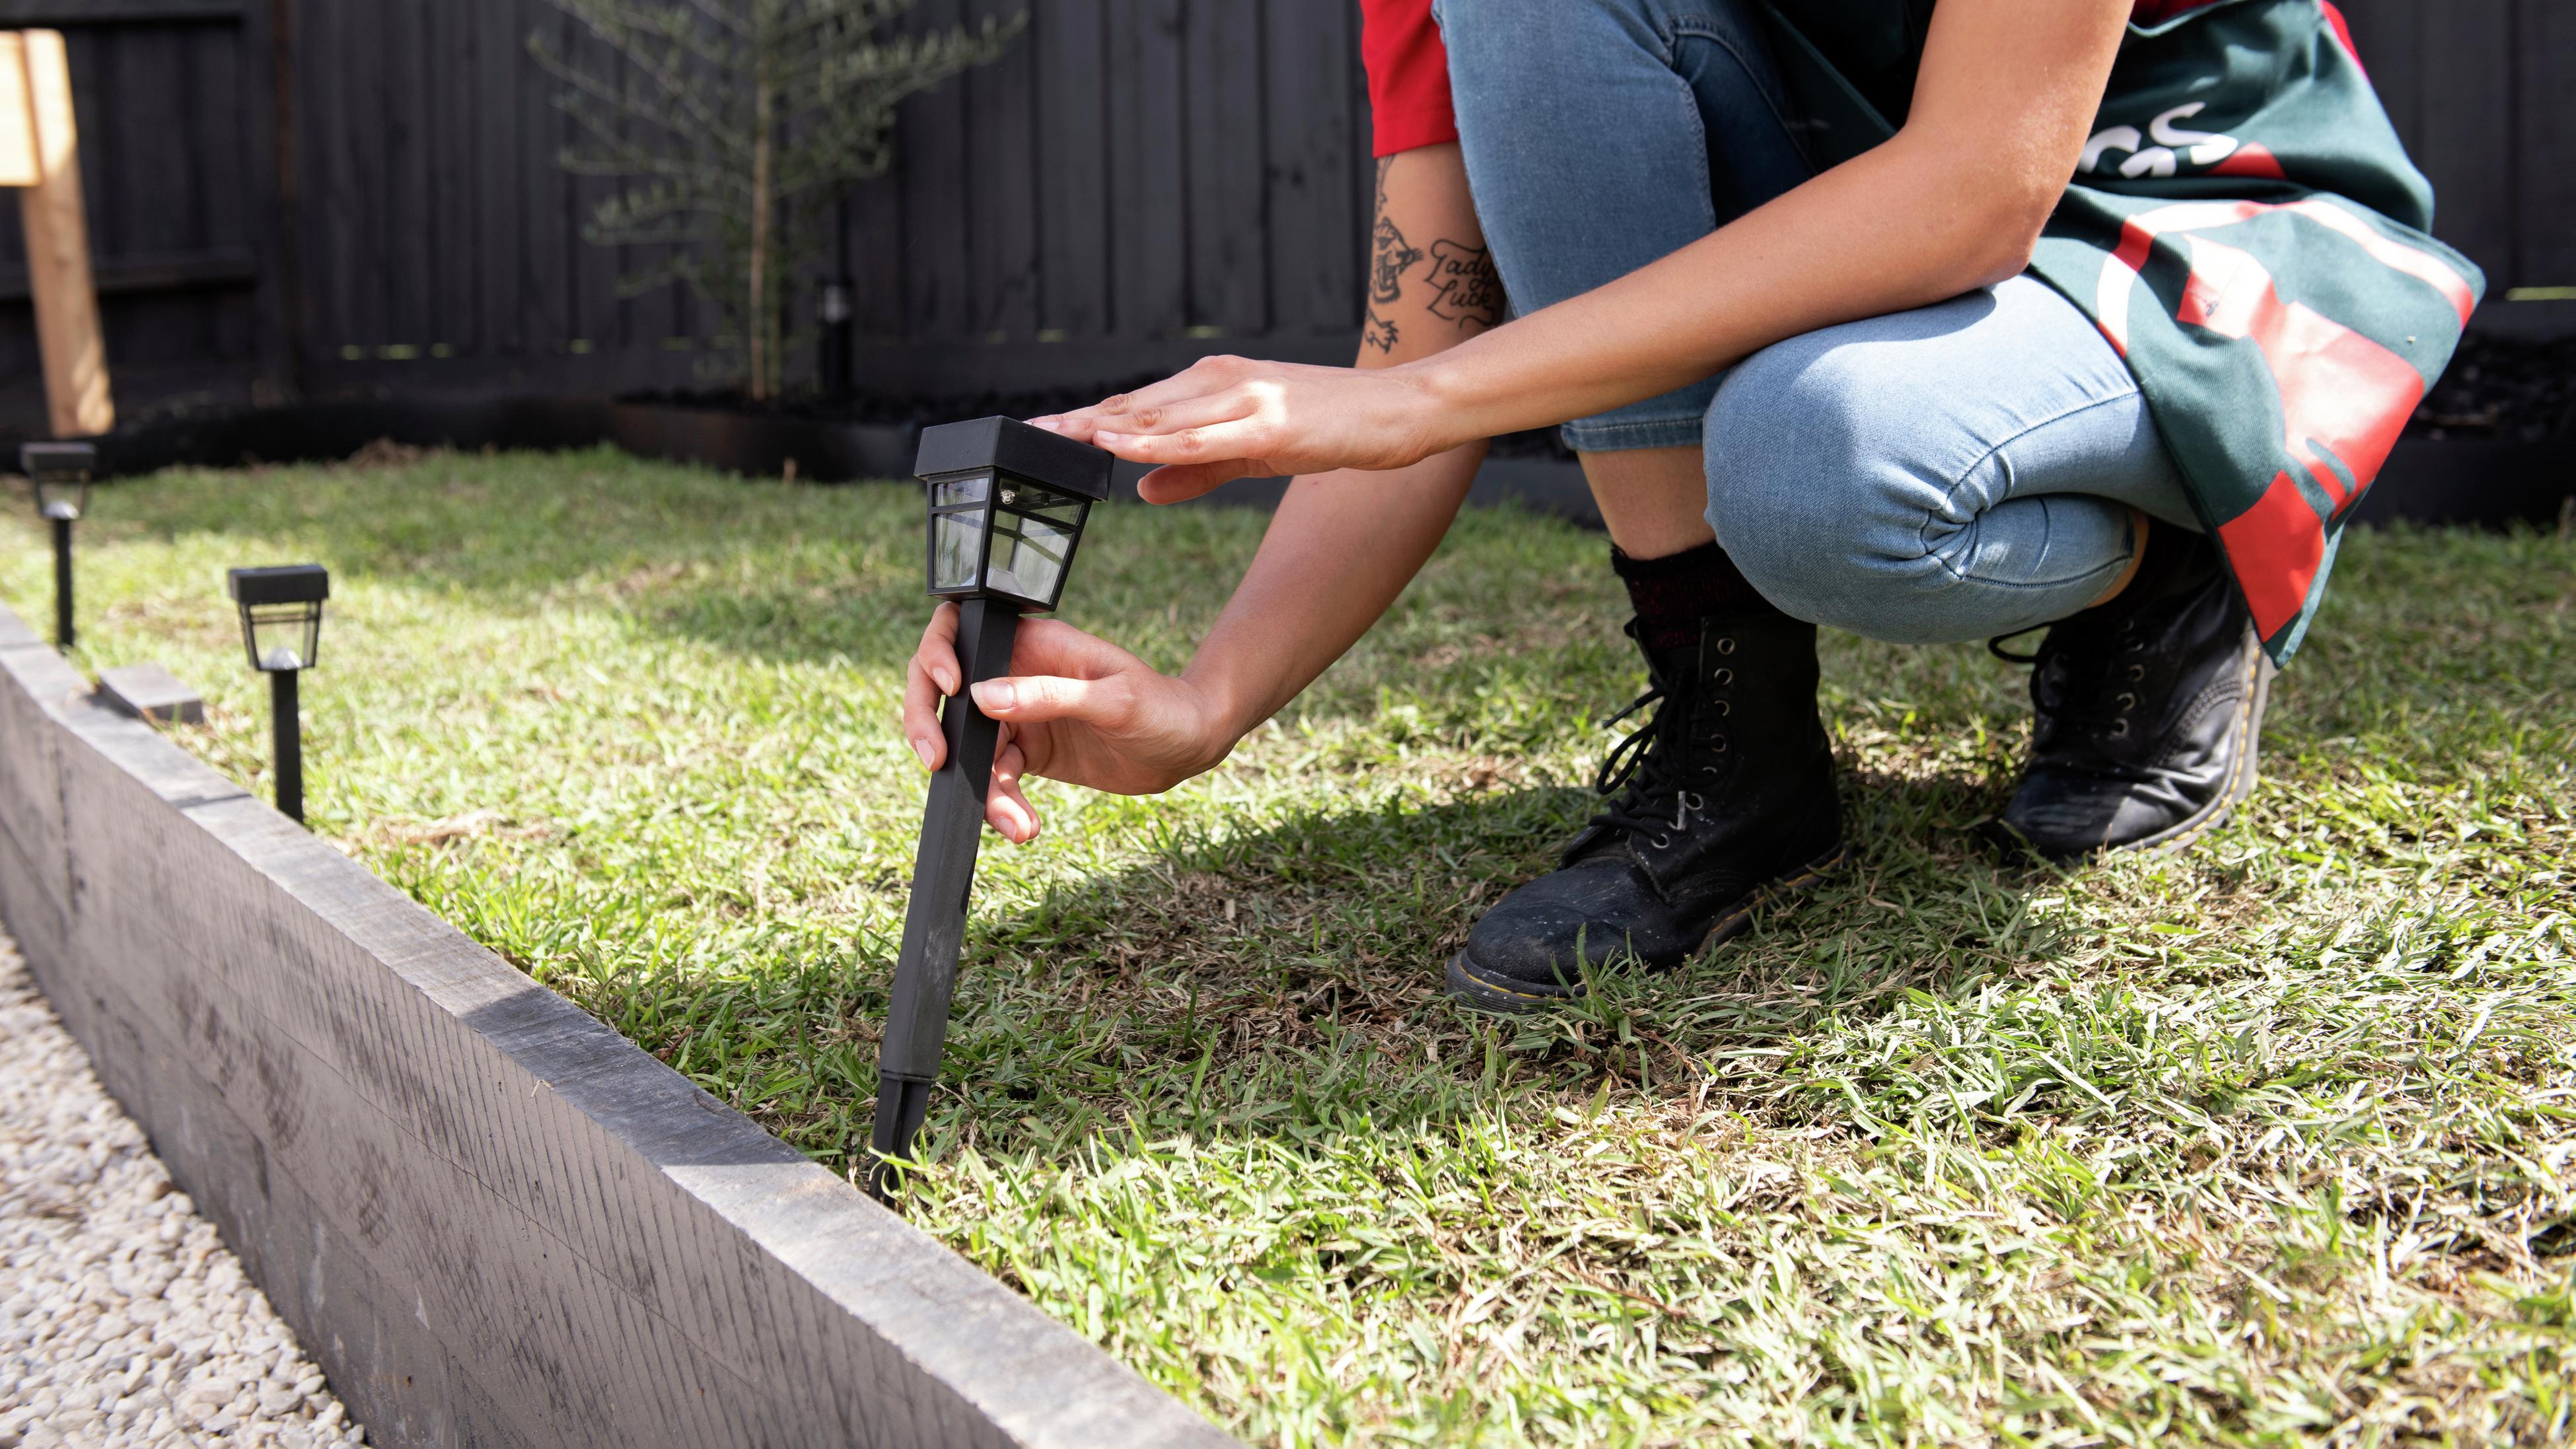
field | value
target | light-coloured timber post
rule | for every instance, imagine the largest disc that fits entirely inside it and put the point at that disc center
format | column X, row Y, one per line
column 40, row 153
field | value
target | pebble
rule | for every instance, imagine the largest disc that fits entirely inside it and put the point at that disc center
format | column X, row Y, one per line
column 124, row 1320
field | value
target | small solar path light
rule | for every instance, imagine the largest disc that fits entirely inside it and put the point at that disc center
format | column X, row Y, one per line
column 281, row 618
column 1007, row 506
column 60, row 473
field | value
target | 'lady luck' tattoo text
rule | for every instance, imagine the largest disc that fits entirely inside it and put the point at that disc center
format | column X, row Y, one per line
column 1464, row 285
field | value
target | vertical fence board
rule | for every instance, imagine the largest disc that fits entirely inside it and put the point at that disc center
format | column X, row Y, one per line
column 935, row 186
column 545, row 247
column 330, row 176
column 2388, row 35
column 411, row 163
column 452, row 194
column 499, row 152
column 1073, row 167
column 212, row 62
column 592, row 272
column 1148, row 169
column 1314, row 141
column 874, row 256
column 2467, row 146
column 2545, row 153
column 1001, row 183
column 370, row 112
column 1229, row 211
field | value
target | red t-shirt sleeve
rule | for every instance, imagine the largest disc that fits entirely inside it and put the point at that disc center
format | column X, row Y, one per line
column 1408, row 75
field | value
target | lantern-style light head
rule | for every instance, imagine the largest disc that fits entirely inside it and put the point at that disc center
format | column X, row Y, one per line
column 1007, row 505
column 281, row 614
column 61, row 474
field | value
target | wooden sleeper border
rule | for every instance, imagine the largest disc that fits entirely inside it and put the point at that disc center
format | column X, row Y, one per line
column 492, row 1220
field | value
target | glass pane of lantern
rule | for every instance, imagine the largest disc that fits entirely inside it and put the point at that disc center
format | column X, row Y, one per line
column 956, row 546
column 61, row 498
column 1029, row 554
column 950, row 492
column 285, row 636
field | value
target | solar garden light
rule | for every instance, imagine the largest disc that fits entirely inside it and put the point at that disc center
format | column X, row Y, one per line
column 281, row 618
column 1007, row 505
column 60, row 473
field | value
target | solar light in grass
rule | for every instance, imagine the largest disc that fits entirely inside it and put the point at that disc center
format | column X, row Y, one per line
column 60, row 473
column 1007, row 507
column 281, row 619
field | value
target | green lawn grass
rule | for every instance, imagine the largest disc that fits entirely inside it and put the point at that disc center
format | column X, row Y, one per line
column 2272, row 1142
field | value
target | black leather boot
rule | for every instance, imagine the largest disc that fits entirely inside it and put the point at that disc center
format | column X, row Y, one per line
column 2150, row 708
column 1728, row 796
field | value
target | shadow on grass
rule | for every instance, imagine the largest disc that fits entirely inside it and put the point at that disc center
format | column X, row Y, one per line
column 1288, row 981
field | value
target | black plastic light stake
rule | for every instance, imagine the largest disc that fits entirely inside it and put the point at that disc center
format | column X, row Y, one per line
column 1007, row 507
column 943, row 877
column 281, row 619
column 286, row 722
column 62, row 583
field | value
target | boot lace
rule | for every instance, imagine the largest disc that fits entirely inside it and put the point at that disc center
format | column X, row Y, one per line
column 2089, row 678
column 1650, row 768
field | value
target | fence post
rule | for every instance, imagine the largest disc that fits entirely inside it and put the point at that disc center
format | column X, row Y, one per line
column 40, row 151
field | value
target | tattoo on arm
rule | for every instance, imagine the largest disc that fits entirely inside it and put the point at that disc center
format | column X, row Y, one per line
column 1389, row 256
column 1464, row 284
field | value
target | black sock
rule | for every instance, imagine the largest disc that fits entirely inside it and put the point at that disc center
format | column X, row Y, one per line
column 2175, row 558
column 1674, row 593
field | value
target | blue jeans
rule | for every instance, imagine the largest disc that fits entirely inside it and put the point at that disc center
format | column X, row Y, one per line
column 1953, row 472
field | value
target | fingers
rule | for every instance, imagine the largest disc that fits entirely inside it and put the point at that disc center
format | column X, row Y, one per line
column 1065, row 423
column 1204, row 379
column 931, row 675
column 1179, row 483
column 1140, row 418
column 1037, row 698
column 1006, row 804
column 1244, row 442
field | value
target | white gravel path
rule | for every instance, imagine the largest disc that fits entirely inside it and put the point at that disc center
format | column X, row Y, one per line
column 123, row 1319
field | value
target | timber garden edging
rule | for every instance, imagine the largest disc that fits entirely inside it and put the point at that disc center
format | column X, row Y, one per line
column 492, row 1220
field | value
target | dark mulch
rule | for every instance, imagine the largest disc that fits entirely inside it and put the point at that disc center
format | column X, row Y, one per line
column 2506, row 388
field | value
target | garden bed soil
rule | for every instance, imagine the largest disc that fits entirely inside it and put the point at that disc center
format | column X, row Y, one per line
column 2502, row 389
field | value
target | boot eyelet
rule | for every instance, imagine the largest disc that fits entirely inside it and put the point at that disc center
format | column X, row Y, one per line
column 1724, row 709
column 2128, row 701
column 2137, row 672
column 1694, row 802
column 1663, row 842
column 1718, row 744
column 2119, row 729
column 1723, row 678
column 1725, row 646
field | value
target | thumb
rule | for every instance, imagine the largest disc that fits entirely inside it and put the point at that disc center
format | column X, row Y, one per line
column 1034, row 698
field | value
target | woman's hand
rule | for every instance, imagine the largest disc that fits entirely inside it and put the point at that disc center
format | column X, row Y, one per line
column 1078, row 709
column 1232, row 417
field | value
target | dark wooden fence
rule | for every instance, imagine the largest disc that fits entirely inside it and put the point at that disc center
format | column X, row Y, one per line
column 343, row 197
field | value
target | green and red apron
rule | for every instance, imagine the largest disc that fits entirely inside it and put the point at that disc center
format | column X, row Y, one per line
column 2246, row 229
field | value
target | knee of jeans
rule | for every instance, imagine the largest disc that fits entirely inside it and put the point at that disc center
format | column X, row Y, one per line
column 1811, row 494
column 1487, row 35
